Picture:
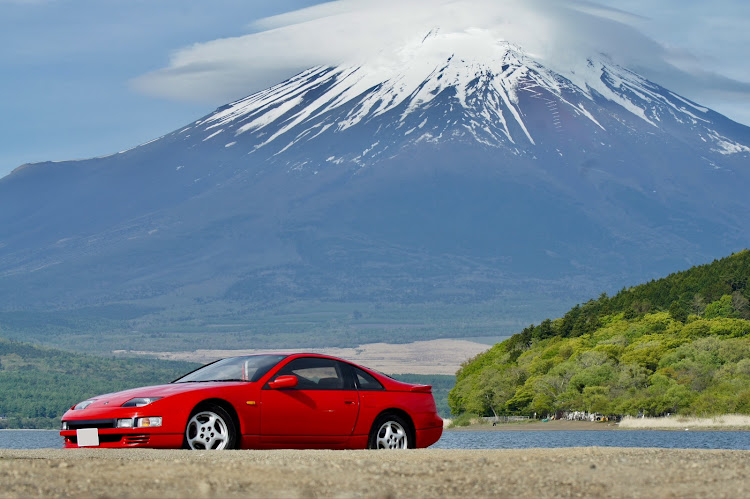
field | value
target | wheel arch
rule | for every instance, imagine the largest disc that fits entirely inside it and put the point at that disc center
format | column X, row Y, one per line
column 403, row 414
column 227, row 407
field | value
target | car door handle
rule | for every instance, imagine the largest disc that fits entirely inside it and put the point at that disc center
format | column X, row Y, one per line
column 348, row 401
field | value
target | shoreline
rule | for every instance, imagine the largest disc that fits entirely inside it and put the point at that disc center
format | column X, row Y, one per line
column 651, row 424
column 533, row 473
column 537, row 426
column 735, row 422
column 29, row 429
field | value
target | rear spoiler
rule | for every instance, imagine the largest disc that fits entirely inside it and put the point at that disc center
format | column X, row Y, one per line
column 421, row 388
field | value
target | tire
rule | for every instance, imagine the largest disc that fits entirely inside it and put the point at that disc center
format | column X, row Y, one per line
column 210, row 427
column 391, row 431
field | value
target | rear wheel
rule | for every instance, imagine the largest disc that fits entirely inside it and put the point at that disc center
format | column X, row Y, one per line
column 390, row 431
column 210, row 427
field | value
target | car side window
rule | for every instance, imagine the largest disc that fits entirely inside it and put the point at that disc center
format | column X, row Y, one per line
column 367, row 382
column 315, row 373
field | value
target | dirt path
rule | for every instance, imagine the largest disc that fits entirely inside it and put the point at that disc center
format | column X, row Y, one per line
column 574, row 472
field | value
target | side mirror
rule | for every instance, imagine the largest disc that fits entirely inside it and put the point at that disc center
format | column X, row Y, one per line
column 287, row 381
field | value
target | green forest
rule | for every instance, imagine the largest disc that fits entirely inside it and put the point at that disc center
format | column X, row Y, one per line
column 38, row 384
column 680, row 344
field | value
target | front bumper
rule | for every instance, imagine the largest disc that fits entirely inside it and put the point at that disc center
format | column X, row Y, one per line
column 113, row 438
column 169, row 435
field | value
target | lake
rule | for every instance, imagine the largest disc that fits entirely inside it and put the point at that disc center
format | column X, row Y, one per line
column 736, row 440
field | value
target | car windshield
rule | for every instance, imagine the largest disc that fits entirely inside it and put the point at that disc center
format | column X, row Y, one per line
column 249, row 368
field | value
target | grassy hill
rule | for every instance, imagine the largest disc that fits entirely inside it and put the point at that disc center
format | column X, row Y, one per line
column 677, row 345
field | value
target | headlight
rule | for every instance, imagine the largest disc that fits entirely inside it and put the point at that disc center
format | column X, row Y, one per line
column 149, row 422
column 82, row 405
column 64, row 425
column 140, row 401
column 124, row 423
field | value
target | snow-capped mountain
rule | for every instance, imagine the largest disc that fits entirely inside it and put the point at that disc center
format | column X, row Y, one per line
column 495, row 95
column 460, row 170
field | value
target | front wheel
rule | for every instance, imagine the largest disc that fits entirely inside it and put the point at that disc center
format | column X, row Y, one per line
column 390, row 431
column 210, row 428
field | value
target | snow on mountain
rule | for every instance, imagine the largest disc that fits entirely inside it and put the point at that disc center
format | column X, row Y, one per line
column 487, row 81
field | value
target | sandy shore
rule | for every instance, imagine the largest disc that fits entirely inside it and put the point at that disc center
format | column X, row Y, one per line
column 723, row 422
column 573, row 472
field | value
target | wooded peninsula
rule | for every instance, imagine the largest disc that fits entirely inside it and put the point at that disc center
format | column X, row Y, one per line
column 678, row 345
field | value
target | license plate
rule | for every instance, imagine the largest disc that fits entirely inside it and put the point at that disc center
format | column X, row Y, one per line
column 88, row 437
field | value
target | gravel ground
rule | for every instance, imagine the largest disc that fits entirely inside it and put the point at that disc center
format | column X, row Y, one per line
column 572, row 472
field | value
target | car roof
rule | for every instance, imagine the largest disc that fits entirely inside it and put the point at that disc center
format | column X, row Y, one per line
column 390, row 383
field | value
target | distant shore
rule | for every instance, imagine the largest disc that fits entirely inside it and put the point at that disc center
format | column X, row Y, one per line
column 560, row 425
column 730, row 422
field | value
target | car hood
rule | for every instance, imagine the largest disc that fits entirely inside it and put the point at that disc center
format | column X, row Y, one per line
column 116, row 399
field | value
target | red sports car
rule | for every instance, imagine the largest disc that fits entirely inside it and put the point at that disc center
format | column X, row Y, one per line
column 262, row 402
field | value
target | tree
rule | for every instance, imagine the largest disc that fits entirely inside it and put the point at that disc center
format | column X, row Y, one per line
column 678, row 311
column 741, row 305
column 723, row 307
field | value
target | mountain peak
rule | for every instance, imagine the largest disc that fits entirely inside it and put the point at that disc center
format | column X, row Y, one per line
column 444, row 85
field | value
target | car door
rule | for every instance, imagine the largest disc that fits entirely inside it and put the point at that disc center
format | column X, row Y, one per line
column 321, row 409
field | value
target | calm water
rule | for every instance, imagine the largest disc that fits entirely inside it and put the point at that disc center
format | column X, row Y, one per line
column 30, row 439
column 43, row 439
column 739, row 440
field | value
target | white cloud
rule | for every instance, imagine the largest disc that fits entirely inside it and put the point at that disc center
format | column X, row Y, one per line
column 556, row 32
column 707, row 42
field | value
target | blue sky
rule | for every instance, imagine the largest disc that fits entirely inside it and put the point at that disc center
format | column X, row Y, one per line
column 82, row 78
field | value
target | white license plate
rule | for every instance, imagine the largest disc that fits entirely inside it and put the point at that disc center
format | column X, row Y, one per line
column 88, row 437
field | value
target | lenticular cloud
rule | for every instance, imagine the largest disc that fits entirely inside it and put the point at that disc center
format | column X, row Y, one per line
column 558, row 33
